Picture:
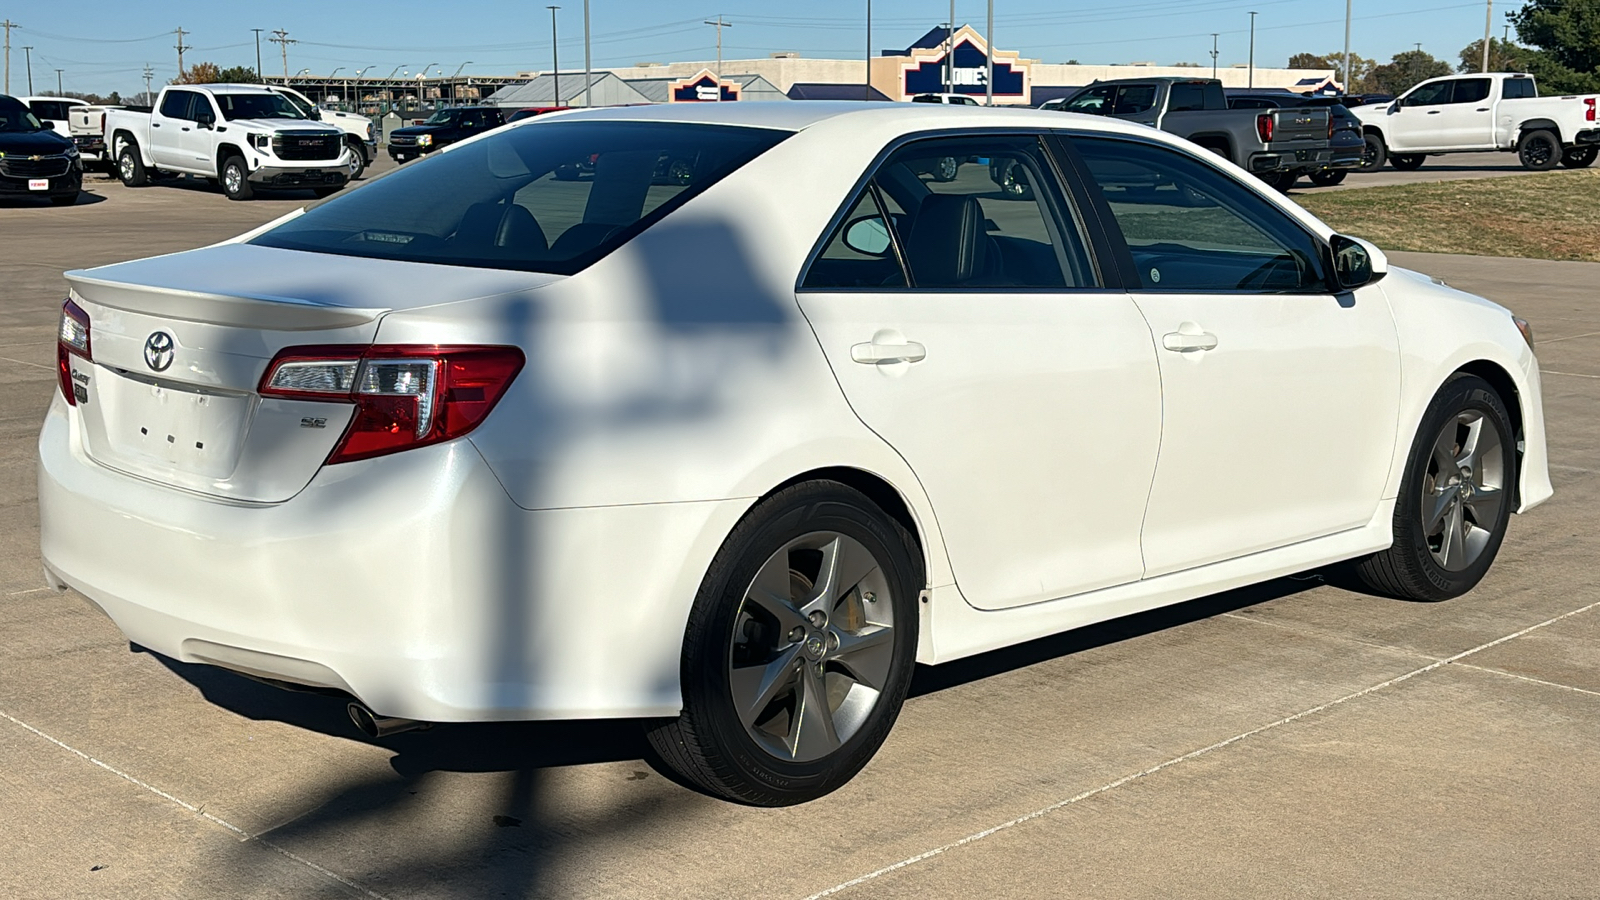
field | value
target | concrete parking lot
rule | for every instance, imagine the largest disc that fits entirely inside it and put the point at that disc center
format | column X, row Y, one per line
column 1289, row 739
column 1451, row 167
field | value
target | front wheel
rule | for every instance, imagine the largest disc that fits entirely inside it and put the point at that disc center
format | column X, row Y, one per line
column 1374, row 154
column 358, row 159
column 236, row 179
column 1579, row 157
column 1539, row 151
column 799, row 649
column 1328, row 178
column 1407, row 162
column 1455, row 500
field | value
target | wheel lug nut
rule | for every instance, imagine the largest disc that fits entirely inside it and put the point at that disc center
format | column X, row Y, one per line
column 796, row 634
column 869, row 596
column 818, row 618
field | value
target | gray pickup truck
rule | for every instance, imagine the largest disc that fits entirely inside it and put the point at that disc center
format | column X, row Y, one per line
column 1277, row 145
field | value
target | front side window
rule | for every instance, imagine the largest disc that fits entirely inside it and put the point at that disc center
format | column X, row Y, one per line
column 1191, row 227
column 50, row 109
column 255, row 106
column 176, row 104
column 550, row 199
column 1435, row 94
column 980, row 213
column 1095, row 101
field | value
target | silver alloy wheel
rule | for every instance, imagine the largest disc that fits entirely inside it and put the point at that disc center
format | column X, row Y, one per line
column 125, row 164
column 232, row 179
column 1464, row 489
column 812, row 646
column 357, row 164
column 948, row 167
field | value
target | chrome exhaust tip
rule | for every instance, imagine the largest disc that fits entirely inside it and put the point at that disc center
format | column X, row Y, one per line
column 375, row 726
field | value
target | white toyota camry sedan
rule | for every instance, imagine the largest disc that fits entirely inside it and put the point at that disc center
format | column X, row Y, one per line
column 724, row 416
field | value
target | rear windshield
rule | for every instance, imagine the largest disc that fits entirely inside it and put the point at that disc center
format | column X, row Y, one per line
column 549, row 196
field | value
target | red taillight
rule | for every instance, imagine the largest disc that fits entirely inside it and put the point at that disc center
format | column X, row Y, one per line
column 1264, row 127
column 405, row 395
column 72, row 338
column 1330, row 128
column 1588, row 114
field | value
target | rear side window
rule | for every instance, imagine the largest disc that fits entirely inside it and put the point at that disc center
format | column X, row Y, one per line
column 552, row 197
column 1519, row 88
column 1471, row 90
column 49, row 109
column 1187, row 98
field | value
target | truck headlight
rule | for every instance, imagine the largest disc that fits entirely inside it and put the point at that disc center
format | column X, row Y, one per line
column 369, row 131
column 260, row 141
column 425, row 140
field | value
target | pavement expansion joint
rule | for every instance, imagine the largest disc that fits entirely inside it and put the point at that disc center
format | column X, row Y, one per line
column 21, row 362
column 1554, row 684
column 240, row 833
column 1568, row 374
column 1193, row 754
column 1329, row 635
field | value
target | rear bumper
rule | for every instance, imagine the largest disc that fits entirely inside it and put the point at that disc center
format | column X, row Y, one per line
column 1591, row 136
column 411, row 582
column 1293, row 160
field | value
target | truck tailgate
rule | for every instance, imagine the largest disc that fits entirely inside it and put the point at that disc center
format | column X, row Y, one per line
column 1299, row 127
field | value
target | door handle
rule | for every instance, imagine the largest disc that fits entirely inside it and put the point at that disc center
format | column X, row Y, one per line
column 183, row 129
column 1434, row 112
column 155, row 124
column 1482, row 109
column 873, row 352
column 1188, row 343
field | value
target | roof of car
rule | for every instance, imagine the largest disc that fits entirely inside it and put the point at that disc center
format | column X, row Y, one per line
column 231, row 88
column 799, row 116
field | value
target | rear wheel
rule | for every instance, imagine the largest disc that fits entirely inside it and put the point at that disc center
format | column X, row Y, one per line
column 1455, row 500
column 1539, row 151
column 1579, row 157
column 1281, row 181
column 799, row 649
column 1407, row 162
column 1373, row 154
column 1328, row 178
column 236, row 179
column 130, row 168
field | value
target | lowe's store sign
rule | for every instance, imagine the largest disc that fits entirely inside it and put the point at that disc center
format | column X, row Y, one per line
column 926, row 72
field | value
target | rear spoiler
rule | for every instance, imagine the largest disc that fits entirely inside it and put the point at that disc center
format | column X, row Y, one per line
column 268, row 313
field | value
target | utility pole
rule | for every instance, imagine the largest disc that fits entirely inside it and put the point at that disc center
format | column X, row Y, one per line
column 258, row 50
column 1347, row 4
column 148, row 74
column 8, row 25
column 950, row 52
column 282, row 39
column 60, row 91
column 988, row 39
column 1213, row 55
column 866, row 93
column 720, row 25
column 1488, row 31
column 1252, row 75
column 27, row 53
column 588, row 72
column 555, row 54
column 180, row 48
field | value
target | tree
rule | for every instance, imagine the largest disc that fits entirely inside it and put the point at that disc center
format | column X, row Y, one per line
column 1568, row 30
column 238, row 75
column 1503, row 57
column 1406, row 70
column 199, row 73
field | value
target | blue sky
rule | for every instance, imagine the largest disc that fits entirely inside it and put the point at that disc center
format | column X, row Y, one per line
column 96, row 54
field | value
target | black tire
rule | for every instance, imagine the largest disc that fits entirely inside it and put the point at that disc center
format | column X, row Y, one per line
column 1579, row 157
column 1328, row 178
column 1539, row 150
column 360, row 151
column 64, row 199
column 1407, row 162
column 1410, row 568
column 709, row 745
column 235, row 178
column 946, row 169
column 1280, row 181
column 130, row 168
column 1374, row 154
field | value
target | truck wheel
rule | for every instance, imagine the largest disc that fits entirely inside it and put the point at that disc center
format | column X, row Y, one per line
column 236, row 179
column 1328, row 178
column 1374, row 154
column 1407, row 162
column 1280, row 181
column 129, row 167
column 358, row 161
column 1579, row 157
column 1539, row 151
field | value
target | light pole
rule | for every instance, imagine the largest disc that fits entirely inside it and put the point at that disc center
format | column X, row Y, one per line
column 1488, row 31
column 422, row 75
column 866, row 93
column 988, row 39
column 27, row 53
column 588, row 73
column 258, row 50
column 555, row 55
column 356, row 106
column 1347, row 4
column 1213, row 55
column 950, row 54
column 60, row 92
column 453, row 81
column 1252, row 75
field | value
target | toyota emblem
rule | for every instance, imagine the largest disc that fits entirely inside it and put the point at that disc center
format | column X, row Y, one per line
column 158, row 351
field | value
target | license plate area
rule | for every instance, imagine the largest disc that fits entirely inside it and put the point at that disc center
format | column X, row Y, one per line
column 38, row 184
column 162, row 428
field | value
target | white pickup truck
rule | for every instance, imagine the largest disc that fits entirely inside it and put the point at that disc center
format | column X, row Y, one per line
column 1475, row 113
column 359, row 132
column 242, row 135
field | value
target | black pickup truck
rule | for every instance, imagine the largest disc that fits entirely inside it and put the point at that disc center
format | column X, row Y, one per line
column 442, row 129
column 1277, row 145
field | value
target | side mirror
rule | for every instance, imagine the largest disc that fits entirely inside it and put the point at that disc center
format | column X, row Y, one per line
column 1396, row 105
column 1356, row 262
column 205, row 120
column 315, row 114
column 868, row 236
